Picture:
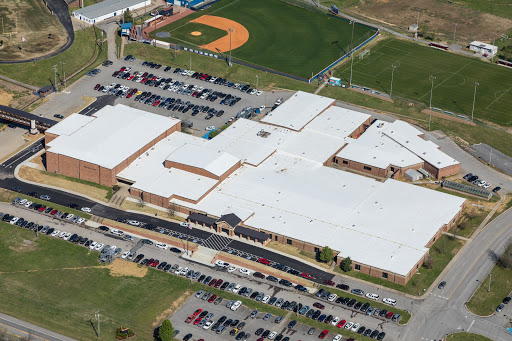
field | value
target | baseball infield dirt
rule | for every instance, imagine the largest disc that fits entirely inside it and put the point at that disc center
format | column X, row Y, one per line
column 239, row 35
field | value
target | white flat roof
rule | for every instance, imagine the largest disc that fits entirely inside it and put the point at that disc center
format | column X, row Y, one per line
column 373, row 148
column 70, row 124
column 304, row 200
column 106, row 7
column 338, row 122
column 115, row 133
column 313, row 145
column 149, row 174
column 298, row 110
column 408, row 137
column 214, row 161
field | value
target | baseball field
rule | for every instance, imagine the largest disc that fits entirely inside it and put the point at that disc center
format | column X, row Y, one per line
column 454, row 79
column 269, row 33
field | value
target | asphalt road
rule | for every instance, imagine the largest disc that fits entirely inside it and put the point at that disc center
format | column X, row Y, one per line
column 21, row 329
column 492, row 156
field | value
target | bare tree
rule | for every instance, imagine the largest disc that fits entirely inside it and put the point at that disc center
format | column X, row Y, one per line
column 171, row 210
column 142, row 203
column 428, row 262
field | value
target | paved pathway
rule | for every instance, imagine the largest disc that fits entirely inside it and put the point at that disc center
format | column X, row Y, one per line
column 22, row 329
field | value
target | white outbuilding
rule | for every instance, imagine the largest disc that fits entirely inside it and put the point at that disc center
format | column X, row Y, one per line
column 483, row 48
column 107, row 9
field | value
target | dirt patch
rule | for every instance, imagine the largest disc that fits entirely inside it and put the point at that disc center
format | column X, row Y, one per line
column 5, row 98
column 42, row 177
column 15, row 96
column 438, row 16
column 25, row 246
column 239, row 35
column 196, row 33
column 121, row 267
column 165, row 314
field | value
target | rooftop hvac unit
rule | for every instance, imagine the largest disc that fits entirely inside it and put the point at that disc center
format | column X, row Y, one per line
column 426, row 174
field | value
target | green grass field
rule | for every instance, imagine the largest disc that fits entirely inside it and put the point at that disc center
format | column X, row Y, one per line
column 466, row 337
column 282, row 37
column 208, row 33
column 454, row 83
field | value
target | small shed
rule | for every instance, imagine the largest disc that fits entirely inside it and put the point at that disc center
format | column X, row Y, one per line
column 335, row 81
column 45, row 91
column 125, row 28
column 413, row 175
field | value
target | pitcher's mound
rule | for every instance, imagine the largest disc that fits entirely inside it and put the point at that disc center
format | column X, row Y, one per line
column 123, row 268
column 196, row 33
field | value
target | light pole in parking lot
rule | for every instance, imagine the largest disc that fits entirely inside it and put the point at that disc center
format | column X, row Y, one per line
column 55, row 72
column 474, row 98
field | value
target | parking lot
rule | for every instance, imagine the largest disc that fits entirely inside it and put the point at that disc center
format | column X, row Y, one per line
column 85, row 87
column 164, row 255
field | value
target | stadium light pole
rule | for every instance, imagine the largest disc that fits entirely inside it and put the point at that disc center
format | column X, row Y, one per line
column 351, row 52
column 393, row 67
column 454, row 32
column 474, row 98
column 230, row 31
column 430, row 105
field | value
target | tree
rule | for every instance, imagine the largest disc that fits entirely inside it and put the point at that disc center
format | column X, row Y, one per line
column 346, row 264
column 141, row 203
column 127, row 17
column 171, row 210
column 326, row 255
column 166, row 332
column 428, row 262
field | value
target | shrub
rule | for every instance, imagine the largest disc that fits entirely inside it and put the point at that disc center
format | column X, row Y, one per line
column 326, row 255
column 116, row 188
column 166, row 332
column 346, row 264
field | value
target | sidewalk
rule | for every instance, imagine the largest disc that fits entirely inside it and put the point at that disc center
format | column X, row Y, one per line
column 26, row 331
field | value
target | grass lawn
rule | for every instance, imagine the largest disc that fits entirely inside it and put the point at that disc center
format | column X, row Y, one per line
column 466, row 337
column 162, row 213
column 469, row 224
column 208, row 34
column 67, row 286
column 494, row 136
column 506, row 205
column 484, row 302
column 291, row 250
column 41, row 73
column 499, row 8
column 406, row 316
column 441, row 252
column 219, row 68
column 454, row 83
column 88, row 188
column 282, row 37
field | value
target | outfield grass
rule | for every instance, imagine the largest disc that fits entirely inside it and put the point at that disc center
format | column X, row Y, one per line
column 441, row 252
column 466, row 337
column 453, row 86
column 41, row 73
column 282, row 37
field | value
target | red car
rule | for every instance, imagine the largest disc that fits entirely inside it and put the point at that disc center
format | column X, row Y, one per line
column 122, row 69
column 150, row 261
column 130, row 78
column 319, row 305
column 212, row 282
column 341, row 323
column 323, row 334
column 199, row 319
column 157, row 102
column 155, row 263
column 218, row 283
column 331, row 283
column 190, row 318
column 97, row 86
column 307, row 275
column 54, row 211
column 263, row 261
column 197, row 312
column 212, row 298
column 42, row 208
column 390, row 315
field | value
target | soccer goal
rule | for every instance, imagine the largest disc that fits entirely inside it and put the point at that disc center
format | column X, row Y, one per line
column 364, row 53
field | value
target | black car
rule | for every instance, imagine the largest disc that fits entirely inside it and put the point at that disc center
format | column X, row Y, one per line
column 365, row 307
column 351, row 302
column 381, row 336
column 441, row 285
column 358, row 305
column 50, row 231
column 138, row 258
column 104, row 228
column 74, row 206
column 265, row 334
column 272, row 279
column 507, row 299
column 259, row 331
column 292, row 324
column 175, row 250
column 343, row 287
column 187, row 337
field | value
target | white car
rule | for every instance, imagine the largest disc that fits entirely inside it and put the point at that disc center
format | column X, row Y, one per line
column 272, row 335
column 389, row 301
column 209, row 128
column 28, row 203
column 99, row 246
column 245, row 271
column 259, row 92
column 349, row 325
column 372, row 296
column 265, row 299
column 67, row 236
column 237, row 288
column 487, row 185
column 337, row 337
column 93, row 245
column 207, row 325
column 355, row 327
column 254, row 91
column 335, row 320
column 113, row 247
column 332, row 297
column 134, row 222
column 262, row 107
column 178, row 270
column 23, row 201
column 162, row 246
column 185, row 224
column 70, row 216
column 125, row 254
column 220, row 263
column 62, row 234
column 231, row 269
column 184, row 271
column 86, row 209
column 236, row 305
column 117, row 232
column 55, row 233
column 14, row 220
column 80, row 221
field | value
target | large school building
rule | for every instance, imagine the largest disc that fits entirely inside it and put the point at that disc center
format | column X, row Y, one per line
column 274, row 180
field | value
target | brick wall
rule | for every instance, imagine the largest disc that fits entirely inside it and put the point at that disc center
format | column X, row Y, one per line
column 52, row 162
column 448, row 171
column 190, row 169
column 48, row 137
column 382, row 172
column 89, row 172
column 69, row 166
column 107, row 177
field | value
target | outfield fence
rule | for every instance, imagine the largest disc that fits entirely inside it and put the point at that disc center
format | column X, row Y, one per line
column 309, row 5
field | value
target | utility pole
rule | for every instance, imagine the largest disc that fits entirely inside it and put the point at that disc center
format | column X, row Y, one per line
column 393, row 67
column 231, row 30
column 350, row 51
column 474, row 98
column 98, row 316
column 490, row 279
column 256, row 82
column 454, row 32
column 430, row 106
column 101, row 40
column 55, row 72
column 64, row 74
column 190, row 62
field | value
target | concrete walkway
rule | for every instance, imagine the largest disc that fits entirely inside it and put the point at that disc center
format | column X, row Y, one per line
column 27, row 331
